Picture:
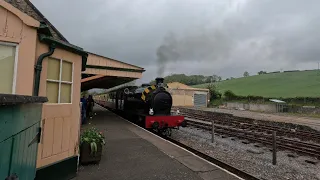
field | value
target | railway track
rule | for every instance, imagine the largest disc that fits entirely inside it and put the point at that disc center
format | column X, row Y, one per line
column 260, row 137
column 281, row 131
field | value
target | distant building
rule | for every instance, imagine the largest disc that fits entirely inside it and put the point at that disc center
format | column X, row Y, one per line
column 184, row 95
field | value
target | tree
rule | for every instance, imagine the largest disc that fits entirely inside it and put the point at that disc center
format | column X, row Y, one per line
column 214, row 93
column 215, row 78
column 262, row 72
column 219, row 78
column 245, row 74
column 229, row 95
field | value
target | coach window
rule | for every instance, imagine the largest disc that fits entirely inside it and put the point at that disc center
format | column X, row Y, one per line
column 8, row 67
column 59, row 81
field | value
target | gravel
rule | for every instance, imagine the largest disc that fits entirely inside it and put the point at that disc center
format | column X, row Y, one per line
column 252, row 158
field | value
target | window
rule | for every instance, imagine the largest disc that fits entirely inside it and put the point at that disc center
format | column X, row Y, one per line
column 7, row 68
column 59, row 81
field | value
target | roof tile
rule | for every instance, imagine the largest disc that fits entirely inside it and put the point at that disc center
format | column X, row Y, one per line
column 28, row 8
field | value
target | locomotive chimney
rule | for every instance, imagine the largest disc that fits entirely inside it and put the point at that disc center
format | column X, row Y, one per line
column 145, row 85
column 159, row 81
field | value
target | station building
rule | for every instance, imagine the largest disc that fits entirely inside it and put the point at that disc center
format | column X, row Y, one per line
column 183, row 95
column 37, row 60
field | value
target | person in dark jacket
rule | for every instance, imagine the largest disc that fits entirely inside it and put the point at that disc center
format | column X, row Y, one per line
column 83, row 101
column 90, row 104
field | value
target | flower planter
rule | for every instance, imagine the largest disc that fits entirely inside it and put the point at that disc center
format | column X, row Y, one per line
column 91, row 146
column 86, row 157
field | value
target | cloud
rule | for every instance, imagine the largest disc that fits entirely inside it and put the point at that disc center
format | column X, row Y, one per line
column 211, row 36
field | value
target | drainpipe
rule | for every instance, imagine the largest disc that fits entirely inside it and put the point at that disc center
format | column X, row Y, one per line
column 38, row 68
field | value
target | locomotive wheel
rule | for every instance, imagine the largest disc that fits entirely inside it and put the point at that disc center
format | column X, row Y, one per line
column 168, row 132
column 163, row 132
column 184, row 124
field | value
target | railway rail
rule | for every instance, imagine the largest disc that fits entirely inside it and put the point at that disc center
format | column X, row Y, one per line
column 242, row 124
column 260, row 137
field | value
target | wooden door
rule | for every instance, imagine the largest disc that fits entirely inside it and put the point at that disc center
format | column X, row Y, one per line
column 19, row 154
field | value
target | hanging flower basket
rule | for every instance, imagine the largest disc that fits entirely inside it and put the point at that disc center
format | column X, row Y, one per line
column 91, row 145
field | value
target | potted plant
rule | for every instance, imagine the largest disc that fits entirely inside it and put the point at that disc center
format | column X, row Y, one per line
column 91, row 146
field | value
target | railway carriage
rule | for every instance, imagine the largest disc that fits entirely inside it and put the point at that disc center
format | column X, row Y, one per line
column 147, row 105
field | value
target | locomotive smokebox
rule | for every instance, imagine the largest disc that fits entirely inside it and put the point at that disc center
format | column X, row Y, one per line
column 159, row 81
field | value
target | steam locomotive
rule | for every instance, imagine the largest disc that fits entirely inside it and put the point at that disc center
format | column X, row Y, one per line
column 148, row 105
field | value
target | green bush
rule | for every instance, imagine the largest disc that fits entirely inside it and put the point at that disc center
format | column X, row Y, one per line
column 216, row 103
column 229, row 95
column 214, row 93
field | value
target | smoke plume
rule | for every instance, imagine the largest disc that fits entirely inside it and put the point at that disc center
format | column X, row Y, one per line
column 167, row 52
column 210, row 46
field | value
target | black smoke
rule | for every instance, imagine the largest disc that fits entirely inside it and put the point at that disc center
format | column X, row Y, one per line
column 167, row 52
column 211, row 46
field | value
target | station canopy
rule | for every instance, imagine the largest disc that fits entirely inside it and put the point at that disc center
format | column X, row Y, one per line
column 105, row 73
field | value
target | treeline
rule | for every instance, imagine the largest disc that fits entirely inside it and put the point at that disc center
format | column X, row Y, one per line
column 191, row 80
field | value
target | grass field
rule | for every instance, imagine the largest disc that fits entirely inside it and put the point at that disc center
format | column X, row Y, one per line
column 285, row 84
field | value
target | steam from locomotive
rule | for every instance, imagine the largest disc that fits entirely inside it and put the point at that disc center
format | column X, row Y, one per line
column 167, row 52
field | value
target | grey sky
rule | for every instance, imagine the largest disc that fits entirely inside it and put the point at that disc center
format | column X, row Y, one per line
column 224, row 37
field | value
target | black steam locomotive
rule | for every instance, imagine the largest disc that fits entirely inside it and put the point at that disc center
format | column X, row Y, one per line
column 148, row 105
column 149, row 100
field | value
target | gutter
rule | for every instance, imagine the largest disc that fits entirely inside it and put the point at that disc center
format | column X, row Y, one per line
column 66, row 46
column 53, row 43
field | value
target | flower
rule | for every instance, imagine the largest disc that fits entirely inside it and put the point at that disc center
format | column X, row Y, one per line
column 93, row 137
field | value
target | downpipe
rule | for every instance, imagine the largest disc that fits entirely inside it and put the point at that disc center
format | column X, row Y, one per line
column 38, row 69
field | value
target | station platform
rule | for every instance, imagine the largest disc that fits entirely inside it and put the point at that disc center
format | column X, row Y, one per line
column 132, row 153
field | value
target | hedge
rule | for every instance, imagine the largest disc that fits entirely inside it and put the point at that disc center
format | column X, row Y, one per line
column 229, row 95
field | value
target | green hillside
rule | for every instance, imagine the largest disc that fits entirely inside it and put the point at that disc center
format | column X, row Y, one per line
column 285, row 84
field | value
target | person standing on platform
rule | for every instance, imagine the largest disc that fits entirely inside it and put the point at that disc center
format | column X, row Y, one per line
column 83, row 101
column 90, row 104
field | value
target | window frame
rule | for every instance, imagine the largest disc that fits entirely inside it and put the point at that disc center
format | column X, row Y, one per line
column 15, row 68
column 62, row 82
